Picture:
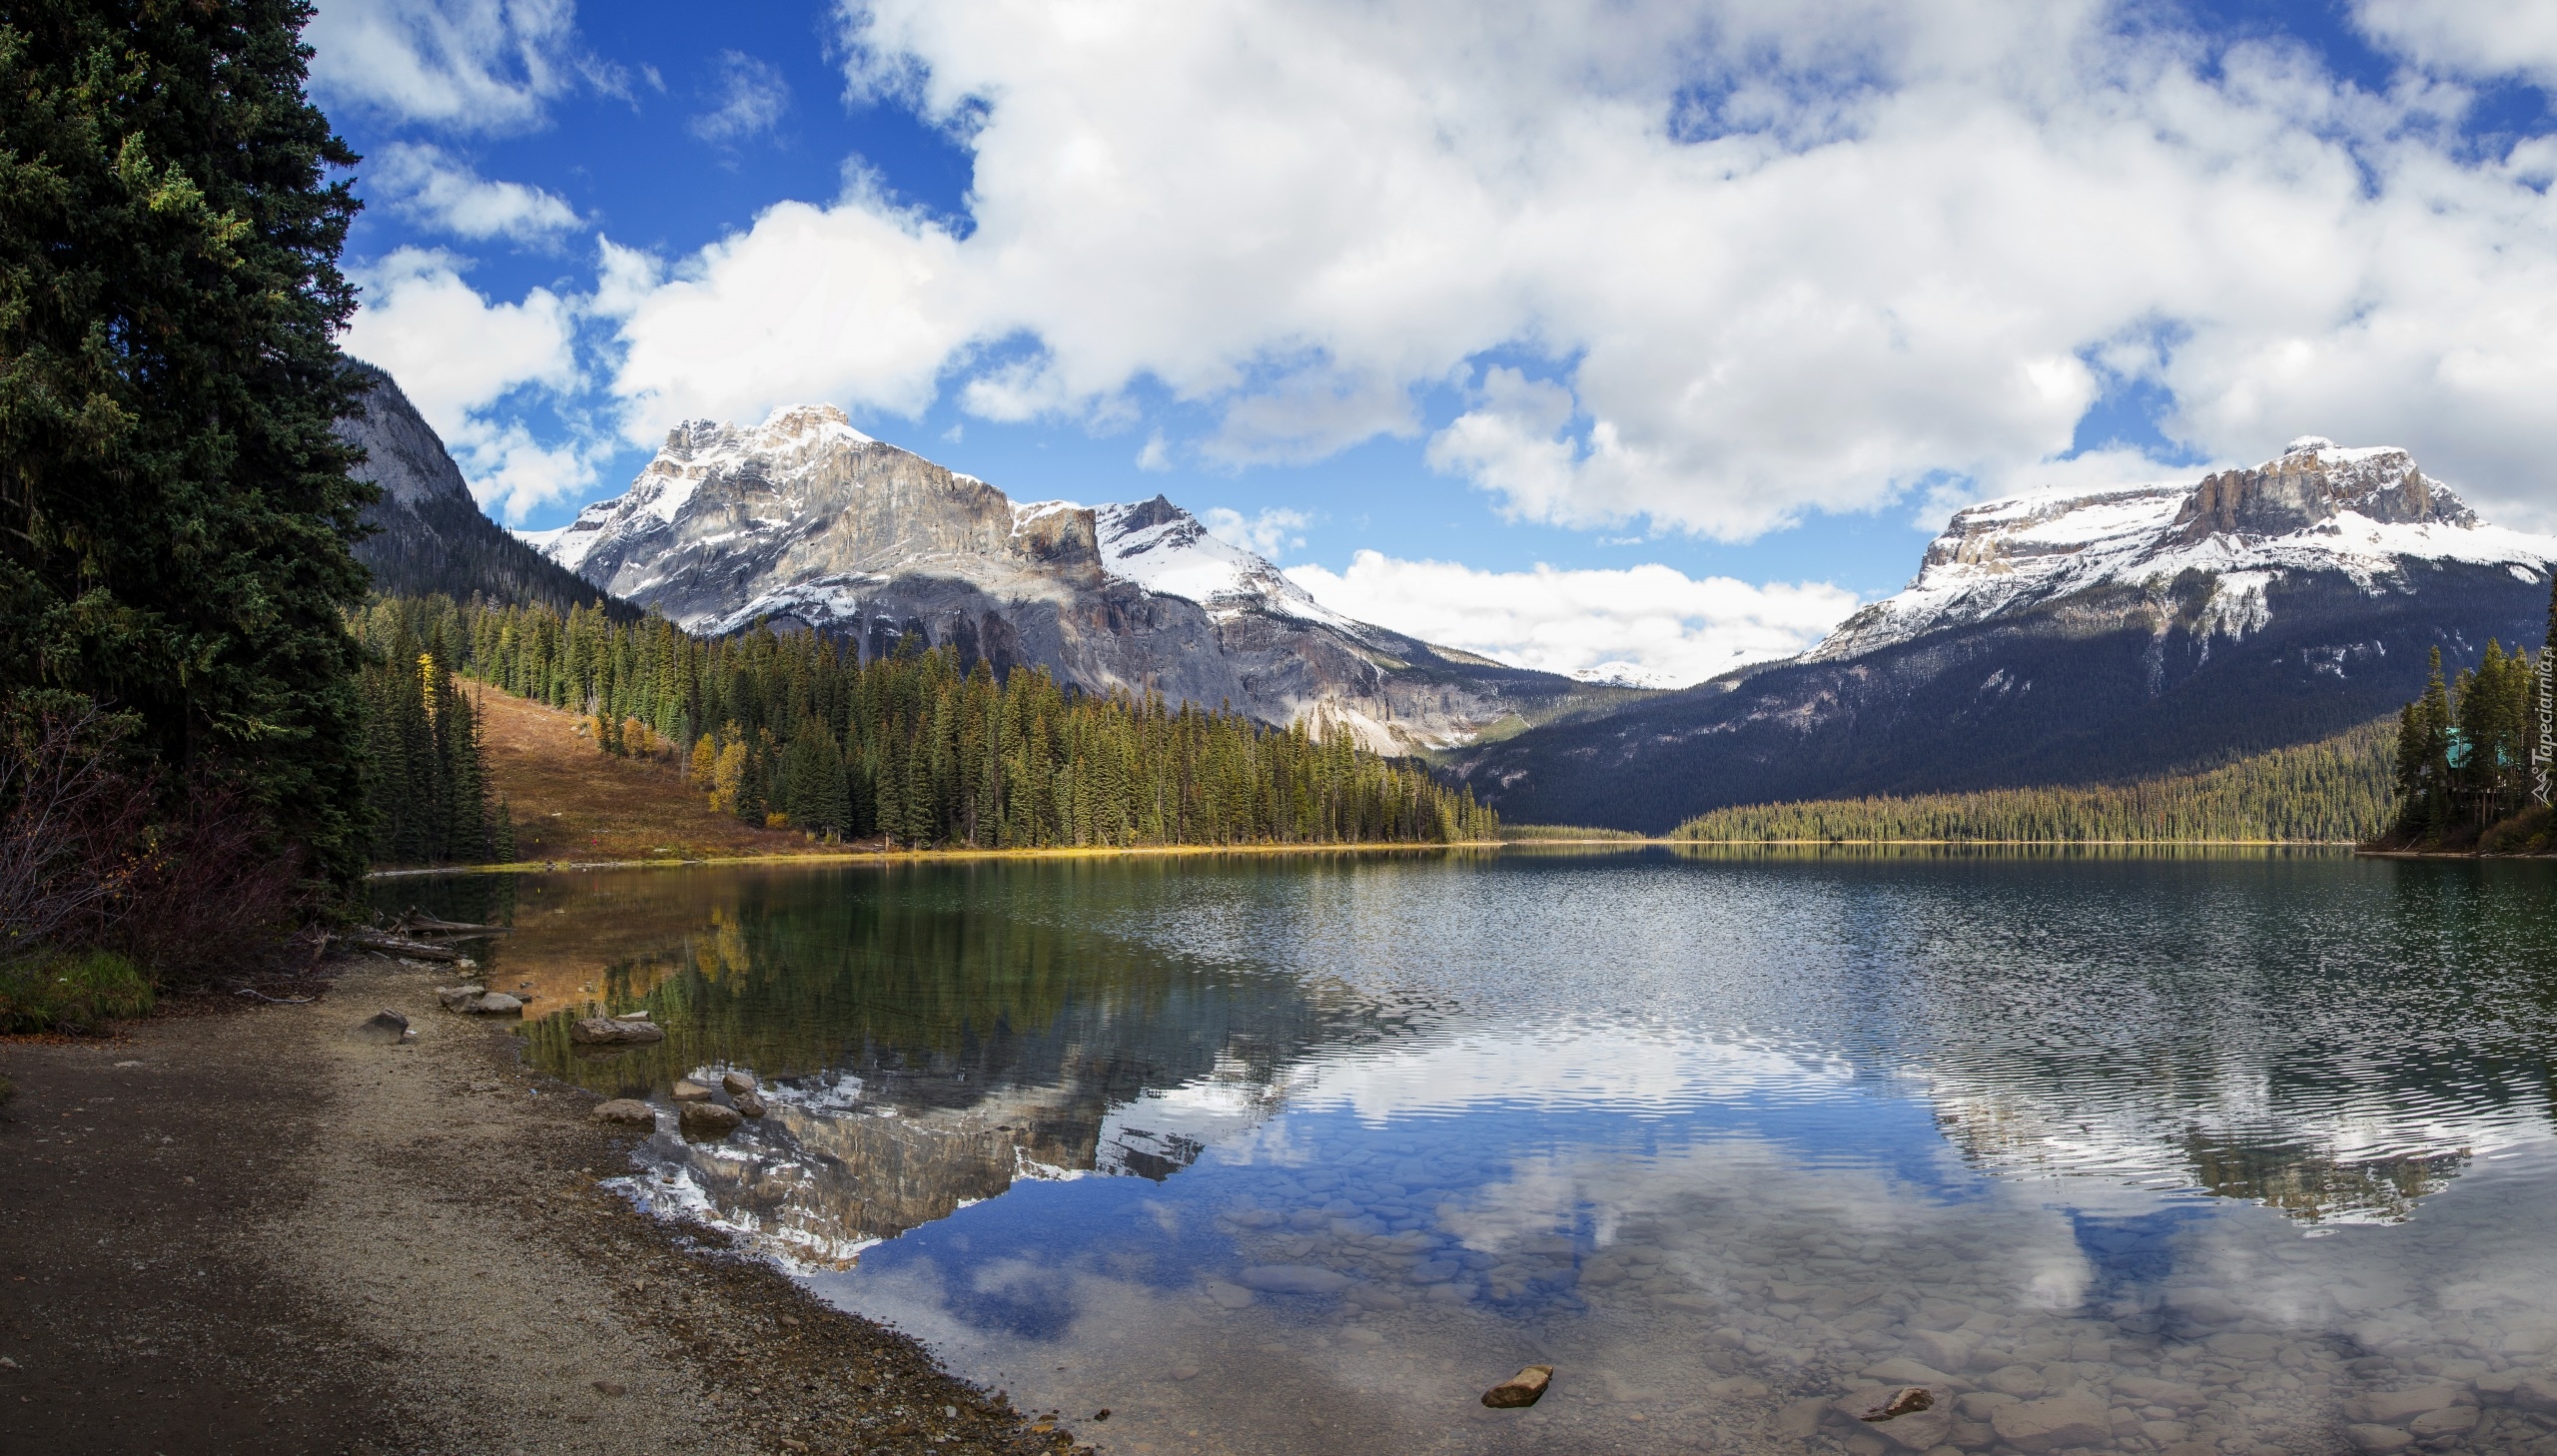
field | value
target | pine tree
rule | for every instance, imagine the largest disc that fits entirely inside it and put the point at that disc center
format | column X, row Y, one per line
column 175, row 513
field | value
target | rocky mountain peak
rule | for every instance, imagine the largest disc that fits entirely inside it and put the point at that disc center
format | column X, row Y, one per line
column 805, row 522
column 2313, row 482
column 2362, row 513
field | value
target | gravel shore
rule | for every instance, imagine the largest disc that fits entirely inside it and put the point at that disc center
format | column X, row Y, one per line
column 255, row 1231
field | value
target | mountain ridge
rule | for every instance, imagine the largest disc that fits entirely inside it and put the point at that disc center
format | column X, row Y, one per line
column 426, row 532
column 2073, row 637
column 806, row 522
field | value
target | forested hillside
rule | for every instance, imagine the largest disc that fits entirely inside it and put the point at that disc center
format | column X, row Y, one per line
column 2470, row 758
column 427, row 534
column 2334, row 791
column 925, row 750
column 425, row 776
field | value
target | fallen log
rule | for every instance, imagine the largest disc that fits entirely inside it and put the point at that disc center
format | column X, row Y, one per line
column 398, row 945
column 416, row 923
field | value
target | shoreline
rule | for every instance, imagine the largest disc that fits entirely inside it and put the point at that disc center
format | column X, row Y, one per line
column 885, row 857
column 246, row 1230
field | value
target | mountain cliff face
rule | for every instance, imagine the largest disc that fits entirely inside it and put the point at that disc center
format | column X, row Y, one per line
column 2069, row 638
column 807, row 524
column 429, row 533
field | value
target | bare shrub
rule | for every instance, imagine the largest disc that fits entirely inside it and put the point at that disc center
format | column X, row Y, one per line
column 214, row 895
column 93, row 855
column 73, row 826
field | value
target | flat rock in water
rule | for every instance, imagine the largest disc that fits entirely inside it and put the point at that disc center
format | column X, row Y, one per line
column 385, row 1025
column 1904, row 1371
column 458, row 998
column 1906, row 1400
column 738, row 1084
column 709, row 1120
column 748, row 1104
column 688, row 1091
column 1227, row 1296
column 1293, row 1279
column 2396, row 1407
column 2075, row 1419
column 626, row 1111
column 1524, row 1388
column 612, row 1031
column 496, row 1004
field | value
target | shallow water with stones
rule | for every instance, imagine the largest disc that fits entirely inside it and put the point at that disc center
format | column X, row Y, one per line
column 2112, row 1151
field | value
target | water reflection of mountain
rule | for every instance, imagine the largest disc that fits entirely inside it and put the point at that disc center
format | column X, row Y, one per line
column 2335, row 1039
column 925, row 1050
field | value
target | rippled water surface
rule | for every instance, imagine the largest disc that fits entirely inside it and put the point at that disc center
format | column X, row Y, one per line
column 2118, row 1152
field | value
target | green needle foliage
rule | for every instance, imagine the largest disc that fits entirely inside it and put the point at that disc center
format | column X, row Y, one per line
column 923, row 750
column 174, row 514
column 2327, row 792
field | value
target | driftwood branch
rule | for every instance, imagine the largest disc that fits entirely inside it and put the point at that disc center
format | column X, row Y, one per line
column 401, row 946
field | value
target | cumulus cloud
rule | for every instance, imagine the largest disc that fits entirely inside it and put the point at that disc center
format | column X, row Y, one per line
column 749, row 97
column 1270, row 533
column 474, row 65
column 458, row 357
column 425, row 182
column 1648, row 624
column 1709, row 269
column 2467, row 37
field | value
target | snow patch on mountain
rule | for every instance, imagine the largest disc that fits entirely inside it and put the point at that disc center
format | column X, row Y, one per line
column 2365, row 514
column 1164, row 548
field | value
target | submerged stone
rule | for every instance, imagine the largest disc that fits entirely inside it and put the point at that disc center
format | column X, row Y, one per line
column 612, row 1031
column 1293, row 1279
column 1522, row 1389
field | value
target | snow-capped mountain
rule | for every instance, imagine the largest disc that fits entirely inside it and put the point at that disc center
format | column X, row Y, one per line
column 2074, row 637
column 2367, row 514
column 805, row 522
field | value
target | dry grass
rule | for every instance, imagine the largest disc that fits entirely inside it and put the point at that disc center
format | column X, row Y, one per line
column 573, row 803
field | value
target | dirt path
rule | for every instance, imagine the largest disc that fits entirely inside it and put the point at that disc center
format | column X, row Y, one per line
column 254, row 1233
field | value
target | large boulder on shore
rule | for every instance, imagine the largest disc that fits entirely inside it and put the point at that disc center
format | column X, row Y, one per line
column 625, row 1113
column 611, row 1031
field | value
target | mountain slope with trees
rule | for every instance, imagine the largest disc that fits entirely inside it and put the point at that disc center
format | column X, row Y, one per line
column 925, row 750
column 427, row 535
column 2336, row 791
column 2054, row 639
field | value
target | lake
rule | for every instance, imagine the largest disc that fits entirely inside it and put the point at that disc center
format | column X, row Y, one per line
column 2171, row 1152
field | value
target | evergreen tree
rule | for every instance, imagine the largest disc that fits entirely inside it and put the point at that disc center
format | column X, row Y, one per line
column 916, row 749
column 175, row 512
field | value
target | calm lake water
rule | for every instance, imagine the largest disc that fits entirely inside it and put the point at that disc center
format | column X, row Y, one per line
column 2178, row 1152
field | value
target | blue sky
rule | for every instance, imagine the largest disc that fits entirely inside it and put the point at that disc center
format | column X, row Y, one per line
column 1745, row 296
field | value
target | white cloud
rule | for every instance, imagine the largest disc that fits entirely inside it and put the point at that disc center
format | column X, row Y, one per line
column 1647, row 623
column 1156, row 456
column 458, row 357
column 1271, row 532
column 856, row 304
column 1709, row 269
column 2467, row 37
column 748, row 100
column 474, row 65
column 429, row 182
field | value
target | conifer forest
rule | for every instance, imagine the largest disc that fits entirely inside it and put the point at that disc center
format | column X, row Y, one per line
column 918, row 747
